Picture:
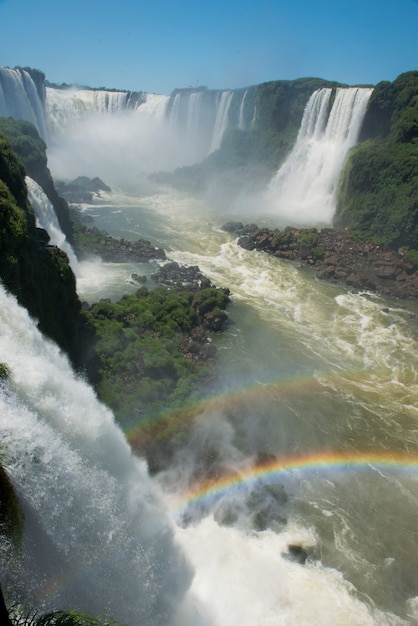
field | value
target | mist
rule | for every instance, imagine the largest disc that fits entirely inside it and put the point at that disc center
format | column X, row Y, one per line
column 122, row 149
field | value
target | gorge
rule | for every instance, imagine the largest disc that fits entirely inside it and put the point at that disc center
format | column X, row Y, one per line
column 307, row 438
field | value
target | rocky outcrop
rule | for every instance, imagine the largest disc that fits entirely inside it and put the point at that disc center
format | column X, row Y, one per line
column 82, row 189
column 335, row 255
column 173, row 274
column 90, row 240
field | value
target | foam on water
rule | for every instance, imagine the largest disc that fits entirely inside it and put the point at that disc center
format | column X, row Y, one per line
column 244, row 579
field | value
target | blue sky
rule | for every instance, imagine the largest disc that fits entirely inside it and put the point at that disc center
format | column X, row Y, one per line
column 157, row 45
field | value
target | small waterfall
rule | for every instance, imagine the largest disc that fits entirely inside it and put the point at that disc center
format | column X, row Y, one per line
column 47, row 219
column 303, row 190
column 96, row 534
column 20, row 98
column 193, row 114
column 221, row 121
column 174, row 115
column 241, row 117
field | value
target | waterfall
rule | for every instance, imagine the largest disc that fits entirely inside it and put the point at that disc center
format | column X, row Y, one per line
column 241, row 117
column 303, row 190
column 20, row 98
column 64, row 107
column 46, row 218
column 96, row 535
column 186, row 127
column 201, row 118
column 193, row 114
column 221, row 121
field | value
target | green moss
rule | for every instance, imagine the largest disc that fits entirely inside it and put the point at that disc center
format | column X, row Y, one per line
column 318, row 252
column 308, row 239
column 411, row 256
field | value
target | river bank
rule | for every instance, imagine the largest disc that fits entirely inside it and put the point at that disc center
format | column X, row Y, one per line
column 335, row 255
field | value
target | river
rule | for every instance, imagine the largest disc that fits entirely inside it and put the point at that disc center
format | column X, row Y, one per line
column 309, row 513
column 321, row 381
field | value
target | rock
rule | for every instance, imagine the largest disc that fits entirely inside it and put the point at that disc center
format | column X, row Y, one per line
column 296, row 553
column 138, row 279
column 81, row 189
column 386, row 271
column 335, row 256
column 172, row 274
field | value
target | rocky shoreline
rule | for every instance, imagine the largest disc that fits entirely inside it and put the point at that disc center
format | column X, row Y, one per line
column 336, row 256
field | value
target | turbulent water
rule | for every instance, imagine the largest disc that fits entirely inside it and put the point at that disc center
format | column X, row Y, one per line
column 311, row 430
column 310, row 372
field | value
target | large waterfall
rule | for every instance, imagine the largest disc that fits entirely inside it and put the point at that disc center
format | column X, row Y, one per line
column 97, row 536
column 187, row 126
column 309, row 435
column 303, row 190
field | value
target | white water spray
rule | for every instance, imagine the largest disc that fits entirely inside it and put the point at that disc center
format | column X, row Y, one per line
column 303, row 190
column 97, row 536
column 46, row 218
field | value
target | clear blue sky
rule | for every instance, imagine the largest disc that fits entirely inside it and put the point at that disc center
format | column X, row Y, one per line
column 157, row 45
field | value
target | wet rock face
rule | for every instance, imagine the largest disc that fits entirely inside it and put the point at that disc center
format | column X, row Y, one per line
column 335, row 255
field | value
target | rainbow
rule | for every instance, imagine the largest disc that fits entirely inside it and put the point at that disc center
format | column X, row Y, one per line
column 210, row 490
column 229, row 400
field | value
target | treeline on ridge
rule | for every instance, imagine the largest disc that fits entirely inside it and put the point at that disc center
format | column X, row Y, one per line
column 378, row 193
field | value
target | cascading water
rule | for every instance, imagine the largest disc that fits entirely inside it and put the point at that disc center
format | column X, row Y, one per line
column 308, row 371
column 221, row 120
column 65, row 107
column 21, row 99
column 97, row 536
column 186, row 127
column 47, row 219
column 303, row 190
column 241, row 117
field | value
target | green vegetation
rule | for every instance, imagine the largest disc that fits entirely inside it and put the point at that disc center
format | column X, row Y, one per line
column 31, row 150
column 308, row 238
column 283, row 238
column 248, row 157
column 280, row 106
column 4, row 371
column 378, row 195
column 39, row 276
column 89, row 239
column 148, row 352
column 411, row 256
